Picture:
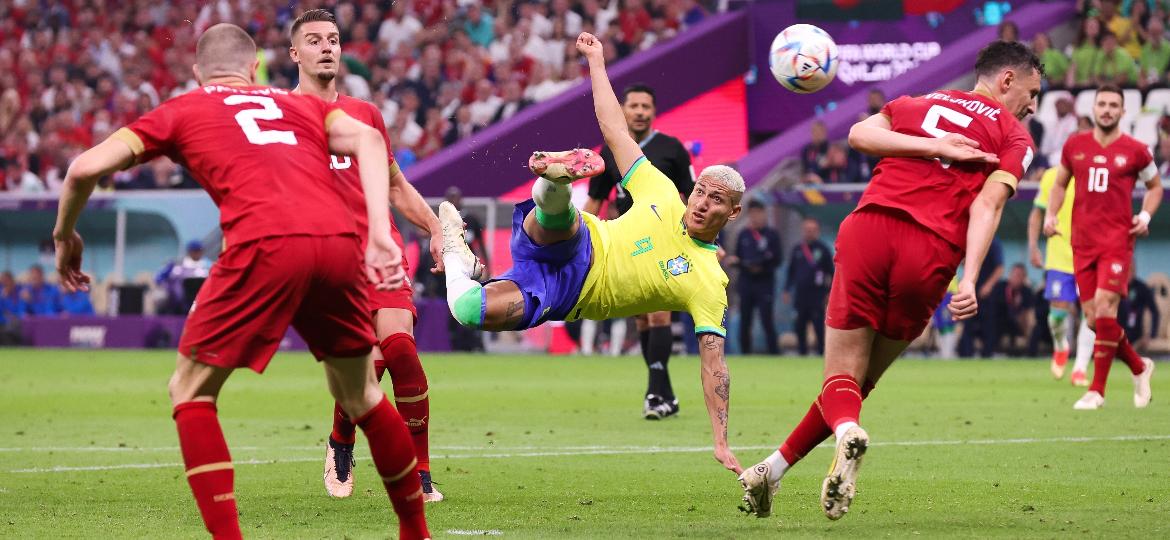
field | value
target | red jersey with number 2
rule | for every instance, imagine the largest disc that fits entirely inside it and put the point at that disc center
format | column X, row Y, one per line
column 346, row 169
column 935, row 194
column 1105, row 177
column 261, row 153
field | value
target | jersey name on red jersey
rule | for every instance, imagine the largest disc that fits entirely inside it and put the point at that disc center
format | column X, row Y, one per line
column 1104, row 180
column 261, row 153
column 938, row 194
column 347, row 170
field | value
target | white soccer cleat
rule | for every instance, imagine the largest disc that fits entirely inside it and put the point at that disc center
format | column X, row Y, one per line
column 455, row 240
column 1141, row 384
column 430, row 494
column 840, row 484
column 1078, row 378
column 758, row 492
column 1091, row 401
column 566, row 166
column 338, row 469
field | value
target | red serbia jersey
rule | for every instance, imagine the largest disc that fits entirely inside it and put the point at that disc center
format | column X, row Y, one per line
column 346, row 169
column 261, row 153
column 1105, row 177
column 938, row 195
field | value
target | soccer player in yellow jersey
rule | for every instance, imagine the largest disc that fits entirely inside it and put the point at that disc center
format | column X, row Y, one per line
column 1059, row 286
column 569, row 265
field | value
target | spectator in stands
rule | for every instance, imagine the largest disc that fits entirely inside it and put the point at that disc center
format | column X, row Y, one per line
column 480, row 26
column 757, row 252
column 1058, row 130
column 1115, row 65
column 983, row 325
column 1162, row 157
column 1055, row 62
column 76, row 303
column 810, row 272
column 1008, row 31
column 39, row 297
column 1121, row 27
column 1155, row 58
column 1084, row 123
column 1085, row 54
column 812, row 156
column 1132, row 311
column 175, row 275
column 486, row 103
column 513, row 102
column 875, row 100
column 1010, row 302
column 837, row 168
column 461, row 128
column 9, row 298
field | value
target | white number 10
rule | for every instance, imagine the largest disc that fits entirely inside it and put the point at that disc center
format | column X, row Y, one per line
column 247, row 119
column 1098, row 179
column 930, row 124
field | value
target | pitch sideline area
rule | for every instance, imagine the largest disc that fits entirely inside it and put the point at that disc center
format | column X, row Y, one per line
column 537, row 447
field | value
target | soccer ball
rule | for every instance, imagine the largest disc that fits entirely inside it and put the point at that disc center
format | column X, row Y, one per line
column 803, row 58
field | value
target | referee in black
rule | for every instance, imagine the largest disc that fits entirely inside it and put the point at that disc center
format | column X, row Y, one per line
column 668, row 155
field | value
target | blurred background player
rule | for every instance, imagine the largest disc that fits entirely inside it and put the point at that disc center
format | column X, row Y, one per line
column 569, row 265
column 757, row 253
column 291, row 258
column 810, row 271
column 316, row 49
column 897, row 252
column 1060, row 286
column 668, row 155
column 1107, row 164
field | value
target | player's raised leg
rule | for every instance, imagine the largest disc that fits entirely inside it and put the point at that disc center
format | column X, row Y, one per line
column 1058, row 318
column 353, row 384
column 193, row 389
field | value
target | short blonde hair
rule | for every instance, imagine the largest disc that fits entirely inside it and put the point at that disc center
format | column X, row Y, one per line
column 725, row 175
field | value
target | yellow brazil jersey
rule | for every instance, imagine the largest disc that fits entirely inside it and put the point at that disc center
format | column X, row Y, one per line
column 1058, row 254
column 644, row 261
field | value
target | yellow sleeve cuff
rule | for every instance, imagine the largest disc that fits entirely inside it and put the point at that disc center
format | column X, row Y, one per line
column 1006, row 178
column 333, row 116
column 394, row 168
column 131, row 139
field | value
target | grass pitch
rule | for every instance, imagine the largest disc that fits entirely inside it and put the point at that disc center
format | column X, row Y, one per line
column 539, row 447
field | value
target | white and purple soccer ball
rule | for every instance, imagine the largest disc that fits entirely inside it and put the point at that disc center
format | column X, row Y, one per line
column 803, row 58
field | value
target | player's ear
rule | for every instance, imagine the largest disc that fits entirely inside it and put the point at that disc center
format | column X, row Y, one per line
column 198, row 75
column 293, row 54
column 1006, row 78
column 735, row 212
column 253, row 69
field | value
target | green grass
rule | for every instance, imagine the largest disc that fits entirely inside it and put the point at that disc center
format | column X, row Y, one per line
column 491, row 414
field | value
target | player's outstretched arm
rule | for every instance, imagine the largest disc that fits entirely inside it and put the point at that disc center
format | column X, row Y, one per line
column 605, row 104
column 717, row 394
column 415, row 209
column 1056, row 200
column 110, row 155
column 985, row 214
column 876, row 136
column 353, row 138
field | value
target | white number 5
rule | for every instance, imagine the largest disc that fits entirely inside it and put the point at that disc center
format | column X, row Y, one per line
column 930, row 124
column 247, row 119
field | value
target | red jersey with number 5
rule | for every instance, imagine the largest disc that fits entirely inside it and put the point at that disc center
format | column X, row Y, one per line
column 936, row 194
column 261, row 153
column 346, row 169
column 1105, row 177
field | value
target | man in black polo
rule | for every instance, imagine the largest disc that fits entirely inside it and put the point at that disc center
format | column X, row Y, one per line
column 668, row 155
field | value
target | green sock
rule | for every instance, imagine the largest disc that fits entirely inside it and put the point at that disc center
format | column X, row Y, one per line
column 556, row 222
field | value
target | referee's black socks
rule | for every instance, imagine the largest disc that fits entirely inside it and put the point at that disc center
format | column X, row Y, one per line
column 656, row 344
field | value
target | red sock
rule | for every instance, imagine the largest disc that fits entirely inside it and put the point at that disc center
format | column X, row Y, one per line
column 811, row 431
column 840, row 400
column 410, row 392
column 394, row 459
column 1109, row 334
column 1128, row 355
column 344, row 431
column 209, row 467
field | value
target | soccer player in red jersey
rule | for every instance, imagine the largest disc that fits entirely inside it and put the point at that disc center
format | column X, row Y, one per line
column 316, row 49
column 292, row 257
column 1107, row 164
column 951, row 159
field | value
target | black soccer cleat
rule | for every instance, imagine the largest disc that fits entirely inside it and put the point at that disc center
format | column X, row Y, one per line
column 657, row 407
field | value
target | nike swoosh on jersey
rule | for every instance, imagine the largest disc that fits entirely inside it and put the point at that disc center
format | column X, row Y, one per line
column 654, row 207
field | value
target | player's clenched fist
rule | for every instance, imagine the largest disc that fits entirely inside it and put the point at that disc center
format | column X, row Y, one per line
column 384, row 263
column 964, row 304
column 589, row 45
column 1050, row 224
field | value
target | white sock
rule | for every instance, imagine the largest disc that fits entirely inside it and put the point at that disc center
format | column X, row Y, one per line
column 1085, row 339
column 458, row 281
column 588, row 336
column 550, row 197
column 777, row 466
column 617, row 336
column 842, row 427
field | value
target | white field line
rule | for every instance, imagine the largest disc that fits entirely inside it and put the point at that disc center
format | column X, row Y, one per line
column 511, row 453
column 475, row 532
column 146, row 449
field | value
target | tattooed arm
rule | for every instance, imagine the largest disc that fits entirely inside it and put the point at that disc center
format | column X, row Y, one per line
column 717, row 393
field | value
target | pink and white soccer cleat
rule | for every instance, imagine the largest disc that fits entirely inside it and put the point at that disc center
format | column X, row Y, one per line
column 566, row 166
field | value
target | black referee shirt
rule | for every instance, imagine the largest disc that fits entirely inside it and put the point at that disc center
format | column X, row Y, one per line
column 666, row 153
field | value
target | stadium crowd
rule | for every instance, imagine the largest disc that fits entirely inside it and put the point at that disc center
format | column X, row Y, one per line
column 73, row 71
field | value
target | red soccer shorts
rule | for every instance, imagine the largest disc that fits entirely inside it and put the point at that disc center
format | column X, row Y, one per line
column 891, row 274
column 257, row 289
column 401, row 298
column 1107, row 271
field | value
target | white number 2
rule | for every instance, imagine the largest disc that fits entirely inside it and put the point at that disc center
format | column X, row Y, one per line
column 1098, row 179
column 247, row 119
column 930, row 124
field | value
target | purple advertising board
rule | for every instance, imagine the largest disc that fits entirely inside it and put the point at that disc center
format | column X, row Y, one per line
column 870, row 52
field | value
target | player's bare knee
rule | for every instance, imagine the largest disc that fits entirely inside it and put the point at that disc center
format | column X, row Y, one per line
column 658, row 319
